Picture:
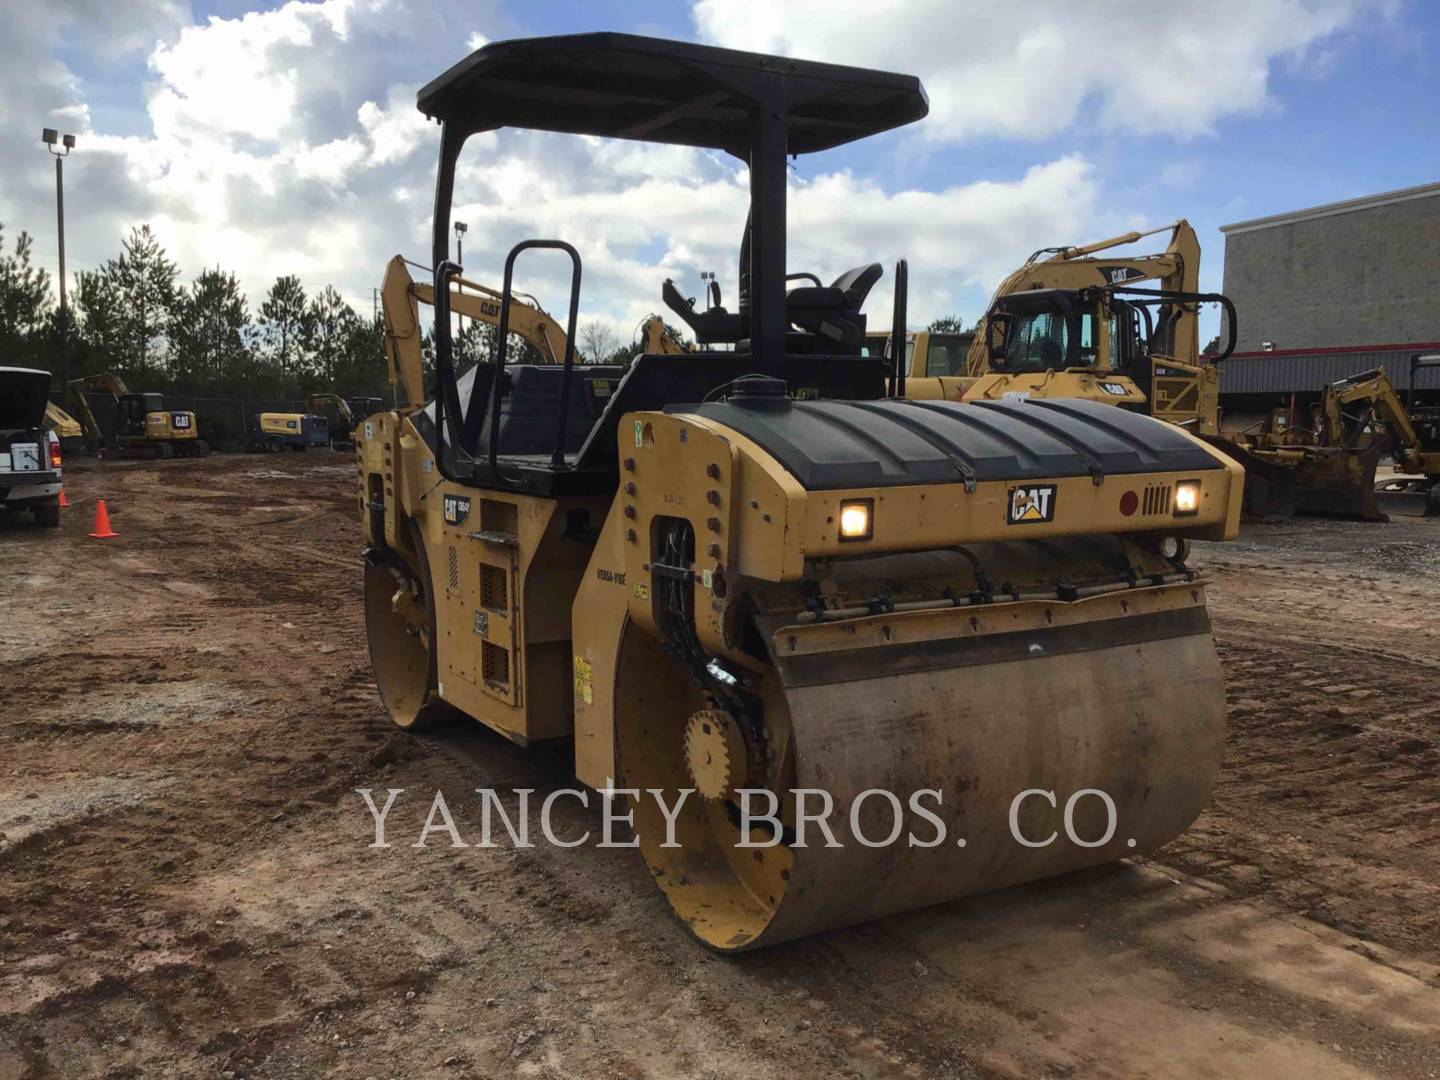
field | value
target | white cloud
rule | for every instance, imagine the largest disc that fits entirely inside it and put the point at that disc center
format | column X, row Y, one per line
column 686, row 218
column 396, row 130
column 1032, row 68
column 287, row 141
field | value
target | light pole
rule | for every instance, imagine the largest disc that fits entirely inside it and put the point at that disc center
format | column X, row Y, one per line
column 460, row 230
column 50, row 137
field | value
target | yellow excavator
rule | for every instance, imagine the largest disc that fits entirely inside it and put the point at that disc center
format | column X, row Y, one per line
column 759, row 588
column 144, row 427
column 401, row 297
column 1072, row 317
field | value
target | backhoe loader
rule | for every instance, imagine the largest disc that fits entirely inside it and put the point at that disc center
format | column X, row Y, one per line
column 1364, row 412
column 750, row 580
column 144, row 427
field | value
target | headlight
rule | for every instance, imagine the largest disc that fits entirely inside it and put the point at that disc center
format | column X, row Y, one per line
column 1187, row 497
column 855, row 519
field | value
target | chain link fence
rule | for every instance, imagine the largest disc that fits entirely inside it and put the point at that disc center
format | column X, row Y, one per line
column 225, row 423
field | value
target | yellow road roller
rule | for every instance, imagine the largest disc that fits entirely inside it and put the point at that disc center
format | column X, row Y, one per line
column 782, row 608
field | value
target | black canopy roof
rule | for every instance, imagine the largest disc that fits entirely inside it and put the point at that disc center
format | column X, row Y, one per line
column 629, row 87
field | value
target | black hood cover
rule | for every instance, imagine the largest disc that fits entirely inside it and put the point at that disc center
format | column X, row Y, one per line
column 832, row 445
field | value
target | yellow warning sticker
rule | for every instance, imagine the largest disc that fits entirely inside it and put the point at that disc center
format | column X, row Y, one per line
column 583, row 671
column 642, row 591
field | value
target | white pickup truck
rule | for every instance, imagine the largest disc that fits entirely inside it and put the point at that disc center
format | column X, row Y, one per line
column 29, row 452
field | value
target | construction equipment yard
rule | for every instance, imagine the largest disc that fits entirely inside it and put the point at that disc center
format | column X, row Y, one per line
column 187, row 885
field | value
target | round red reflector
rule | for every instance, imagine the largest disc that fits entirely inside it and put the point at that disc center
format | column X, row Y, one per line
column 1129, row 503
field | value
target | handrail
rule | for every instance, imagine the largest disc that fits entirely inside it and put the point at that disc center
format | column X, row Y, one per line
column 1191, row 298
column 557, row 455
column 897, row 329
column 447, row 396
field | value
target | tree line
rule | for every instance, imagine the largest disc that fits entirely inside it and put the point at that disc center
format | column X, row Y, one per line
column 133, row 316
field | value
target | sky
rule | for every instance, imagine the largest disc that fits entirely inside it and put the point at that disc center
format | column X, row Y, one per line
column 283, row 138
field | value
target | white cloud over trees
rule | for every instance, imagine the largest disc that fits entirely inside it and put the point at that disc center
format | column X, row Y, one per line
column 287, row 141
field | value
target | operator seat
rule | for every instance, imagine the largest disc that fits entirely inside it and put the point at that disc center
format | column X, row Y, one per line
column 833, row 312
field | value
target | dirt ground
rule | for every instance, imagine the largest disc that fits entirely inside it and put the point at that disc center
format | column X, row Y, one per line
column 186, row 887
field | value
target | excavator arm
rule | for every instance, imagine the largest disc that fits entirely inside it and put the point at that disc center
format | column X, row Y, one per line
column 401, row 297
column 1381, row 406
column 107, row 382
column 315, row 402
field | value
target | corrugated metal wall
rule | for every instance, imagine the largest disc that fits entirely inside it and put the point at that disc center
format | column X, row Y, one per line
column 1299, row 372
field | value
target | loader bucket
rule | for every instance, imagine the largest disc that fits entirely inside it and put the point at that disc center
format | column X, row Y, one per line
column 1340, row 483
column 1408, row 496
column 1270, row 490
column 1319, row 481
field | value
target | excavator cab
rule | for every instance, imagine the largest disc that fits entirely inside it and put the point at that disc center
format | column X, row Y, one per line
column 133, row 410
column 763, row 569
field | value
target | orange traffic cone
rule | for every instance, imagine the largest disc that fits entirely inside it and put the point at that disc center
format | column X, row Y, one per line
column 64, row 502
column 102, row 522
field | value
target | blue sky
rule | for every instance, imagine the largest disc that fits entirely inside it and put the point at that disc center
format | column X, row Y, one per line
column 281, row 138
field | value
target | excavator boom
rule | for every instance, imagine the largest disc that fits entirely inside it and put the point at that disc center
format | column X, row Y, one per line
column 401, row 297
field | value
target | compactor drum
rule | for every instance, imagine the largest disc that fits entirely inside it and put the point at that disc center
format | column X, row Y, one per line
column 844, row 654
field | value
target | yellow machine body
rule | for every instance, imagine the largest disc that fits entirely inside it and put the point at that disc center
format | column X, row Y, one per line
column 538, row 633
column 756, row 570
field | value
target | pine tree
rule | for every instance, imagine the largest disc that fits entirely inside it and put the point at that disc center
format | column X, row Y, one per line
column 142, row 286
column 284, row 323
column 25, row 304
column 210, row 330
column 98, row 335
column 331, row 322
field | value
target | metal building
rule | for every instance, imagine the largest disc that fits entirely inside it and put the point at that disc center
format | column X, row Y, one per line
column 1332, row 291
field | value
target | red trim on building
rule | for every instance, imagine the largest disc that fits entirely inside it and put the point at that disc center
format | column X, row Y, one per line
column 1410, row 346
